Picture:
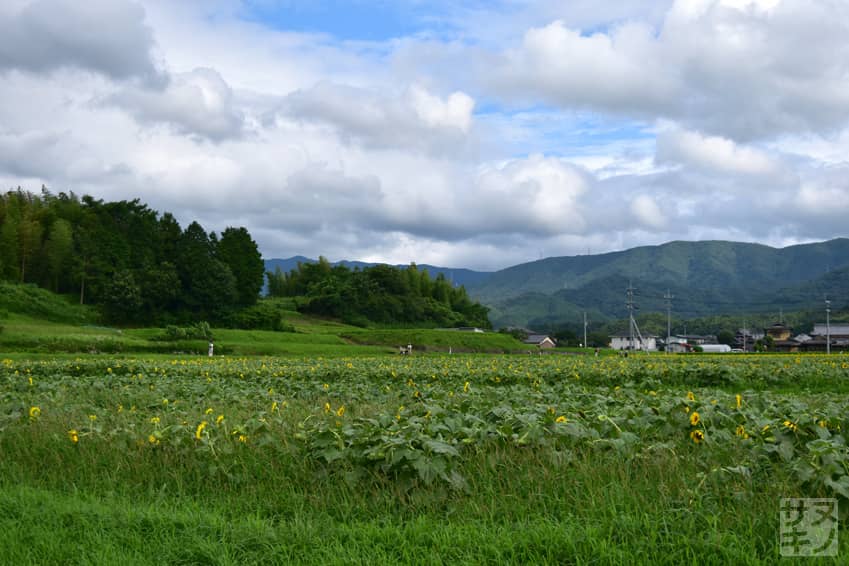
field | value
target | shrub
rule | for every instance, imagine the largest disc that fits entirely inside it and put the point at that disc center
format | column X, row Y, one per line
column 265, row 315
column 198, row 331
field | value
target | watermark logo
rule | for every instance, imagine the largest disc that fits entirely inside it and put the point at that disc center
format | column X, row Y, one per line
column 808, row 527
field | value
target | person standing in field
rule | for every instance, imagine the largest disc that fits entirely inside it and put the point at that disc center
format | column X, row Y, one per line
column 211, row 348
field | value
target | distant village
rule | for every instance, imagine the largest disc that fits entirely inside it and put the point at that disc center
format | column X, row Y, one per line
column 777, row 338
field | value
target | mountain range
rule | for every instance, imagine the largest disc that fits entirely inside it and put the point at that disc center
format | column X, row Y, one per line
column 704, row 278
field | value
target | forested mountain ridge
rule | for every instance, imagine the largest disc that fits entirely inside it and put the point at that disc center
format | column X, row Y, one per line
column 137, row 265
column 708, row 277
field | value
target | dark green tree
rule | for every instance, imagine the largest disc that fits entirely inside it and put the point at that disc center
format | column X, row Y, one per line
column 122, row 298
column 276, row 283
column 9, row 265
column 240, row 253
column 58, row 249
column 208, row 285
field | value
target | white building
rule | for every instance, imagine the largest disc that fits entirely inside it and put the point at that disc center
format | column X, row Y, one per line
column 715, row 348
column 622, row 342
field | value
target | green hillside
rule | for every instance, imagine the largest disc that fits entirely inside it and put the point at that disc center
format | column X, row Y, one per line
column 705, row 277
column 37, row 321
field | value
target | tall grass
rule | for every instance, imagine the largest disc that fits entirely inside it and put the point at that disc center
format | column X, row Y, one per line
column 34, row 301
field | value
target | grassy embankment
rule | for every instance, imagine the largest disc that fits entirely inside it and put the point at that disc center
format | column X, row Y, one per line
column 37, row 321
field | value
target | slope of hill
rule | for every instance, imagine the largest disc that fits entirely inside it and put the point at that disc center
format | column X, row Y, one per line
column 705, row 277
column 31, row 300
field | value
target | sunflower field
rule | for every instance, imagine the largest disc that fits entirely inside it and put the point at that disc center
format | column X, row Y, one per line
column 427, row 435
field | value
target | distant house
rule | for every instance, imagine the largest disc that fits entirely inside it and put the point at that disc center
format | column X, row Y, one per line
column 745, row 339
column 678, row 348
column 778, row 332
column 781, row 340
column 622, row 341
column 818, row 340
column 839, row 331
column 540, row 341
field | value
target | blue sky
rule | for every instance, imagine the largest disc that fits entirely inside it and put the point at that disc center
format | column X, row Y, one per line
column 363, row 20
column 344, row 20
column 457, row 134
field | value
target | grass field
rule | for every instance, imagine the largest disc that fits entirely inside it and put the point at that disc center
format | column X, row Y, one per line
column 312, row 336
column 468, row 459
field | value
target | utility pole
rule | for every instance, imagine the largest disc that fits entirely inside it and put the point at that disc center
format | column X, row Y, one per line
column 827, row 326
column 745, row 332
column 629, row 294
column 585, row 329
column 668, row 297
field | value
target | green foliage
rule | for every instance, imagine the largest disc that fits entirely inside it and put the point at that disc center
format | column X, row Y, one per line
column 240, row 253
column 122, row 256
column 276, row 283
column 335, row 460
column 430, row 340
column 517, row 333
column 198, row 331
column 121, row 297
column 34, row 301
column 268, row 314
column 726, row 337
column 381, row 294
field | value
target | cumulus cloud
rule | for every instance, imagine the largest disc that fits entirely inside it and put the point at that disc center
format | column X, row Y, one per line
column 647, row 212
column 455, row 112
column 712, row 153
column 603, row 69
column 104, row 36
column 198, row 103
column 559, row 129
column 537, row 195
column 741, row 69
column 415, row 119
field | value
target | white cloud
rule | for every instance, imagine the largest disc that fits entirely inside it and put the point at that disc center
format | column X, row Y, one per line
column 537, row 195
column 414, row 119
column 742, row 70
column 543, row 128
column 647, row 212
column 105, row 36
column 454, row 112
column 712, row 153
column 198, row 103
column 601, row 70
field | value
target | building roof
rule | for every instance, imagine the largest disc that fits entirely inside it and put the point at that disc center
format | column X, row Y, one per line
column 537, row 338
column 836, row 329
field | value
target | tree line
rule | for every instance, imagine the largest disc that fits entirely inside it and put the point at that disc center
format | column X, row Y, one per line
column 380, row 294
column 136, row 265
